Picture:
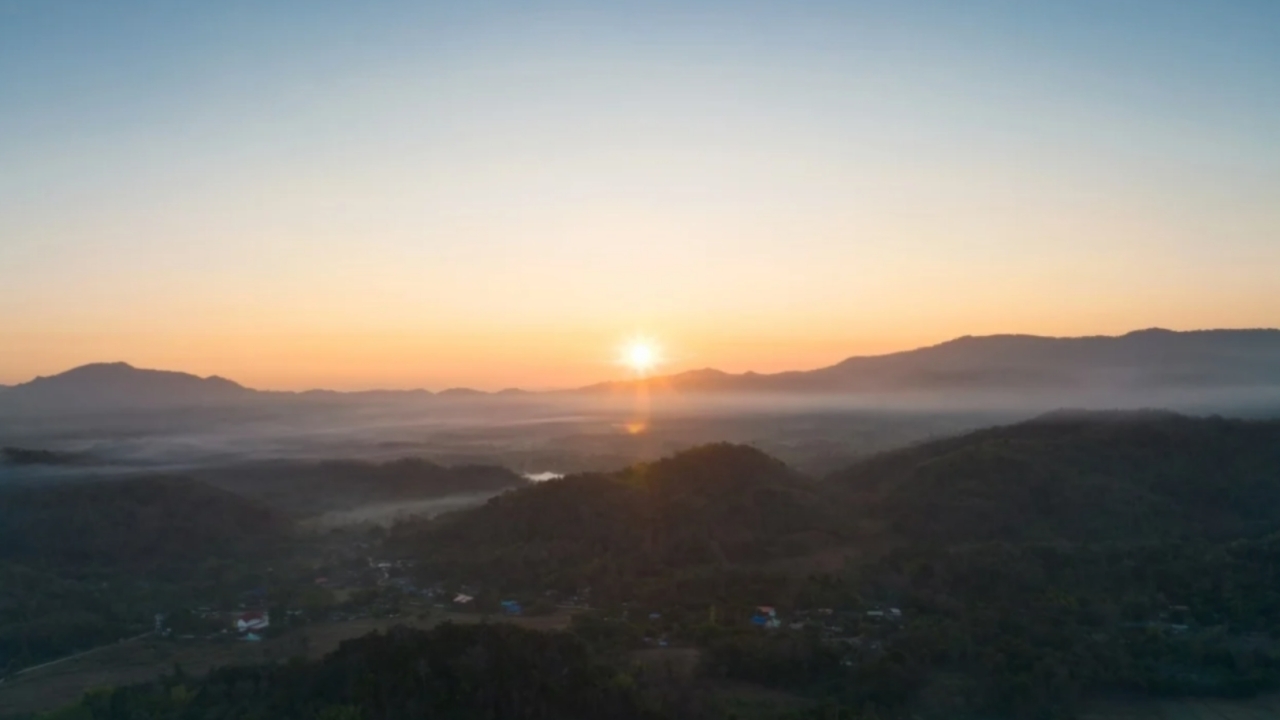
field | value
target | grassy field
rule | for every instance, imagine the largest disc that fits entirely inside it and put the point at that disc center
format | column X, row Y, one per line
column 144, row 659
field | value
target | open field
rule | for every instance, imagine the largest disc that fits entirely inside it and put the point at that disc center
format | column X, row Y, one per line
column 143, row 659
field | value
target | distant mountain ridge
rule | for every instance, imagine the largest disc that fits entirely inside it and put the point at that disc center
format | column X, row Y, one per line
column 1013, row 365
column 1140, row 360
column 120, row 384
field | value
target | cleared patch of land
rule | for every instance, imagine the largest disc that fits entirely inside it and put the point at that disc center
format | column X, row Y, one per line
column 144, row 659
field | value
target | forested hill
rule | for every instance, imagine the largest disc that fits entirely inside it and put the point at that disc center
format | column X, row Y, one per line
column 302, row 488
column 453, row 671
column 134, row 524
column 1077, row 477
column 716, row 504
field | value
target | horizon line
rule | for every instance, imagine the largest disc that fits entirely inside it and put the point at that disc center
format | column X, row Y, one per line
column 602, row 384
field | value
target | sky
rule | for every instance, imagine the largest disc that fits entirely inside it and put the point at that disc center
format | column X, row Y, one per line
column 492, row 194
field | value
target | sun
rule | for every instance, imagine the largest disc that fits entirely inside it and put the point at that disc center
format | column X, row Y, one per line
column 641, row 355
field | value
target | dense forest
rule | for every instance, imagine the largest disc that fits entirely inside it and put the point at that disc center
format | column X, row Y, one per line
column 82, row 563
column 142, row 524
column 714, row 505
column 1083, row 477
column 463, row 672
column 1090, row 477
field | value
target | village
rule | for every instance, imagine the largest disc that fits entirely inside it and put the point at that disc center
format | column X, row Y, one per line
column 366, row 588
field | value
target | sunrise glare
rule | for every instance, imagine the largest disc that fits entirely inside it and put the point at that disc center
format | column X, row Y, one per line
column 641, row 355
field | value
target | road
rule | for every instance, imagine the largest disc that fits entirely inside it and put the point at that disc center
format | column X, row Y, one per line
column 81, row 654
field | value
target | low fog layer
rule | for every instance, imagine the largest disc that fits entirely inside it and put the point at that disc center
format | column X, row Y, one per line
column 387, row 514
column 539, row 442
column 571, row 434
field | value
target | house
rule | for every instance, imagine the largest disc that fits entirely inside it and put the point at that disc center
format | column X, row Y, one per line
column 253, row 622
column 766, row 617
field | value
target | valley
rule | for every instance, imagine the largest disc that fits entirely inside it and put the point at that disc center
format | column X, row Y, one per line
column 1008, row 570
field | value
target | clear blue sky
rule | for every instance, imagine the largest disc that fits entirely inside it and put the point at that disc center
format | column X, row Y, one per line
column 494, row 193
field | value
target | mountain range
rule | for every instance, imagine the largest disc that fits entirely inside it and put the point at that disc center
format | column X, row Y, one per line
column 1088, row 370
column 1144, row 359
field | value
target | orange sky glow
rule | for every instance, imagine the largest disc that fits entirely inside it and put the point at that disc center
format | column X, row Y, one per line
column 501, row 194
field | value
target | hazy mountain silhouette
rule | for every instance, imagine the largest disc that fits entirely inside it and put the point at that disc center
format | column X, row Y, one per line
column 462, row 392
column 122, row 385
column 1153, row 366
column 1139, row 361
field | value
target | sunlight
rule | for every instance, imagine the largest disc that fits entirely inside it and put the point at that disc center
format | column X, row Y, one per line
column 641, row 355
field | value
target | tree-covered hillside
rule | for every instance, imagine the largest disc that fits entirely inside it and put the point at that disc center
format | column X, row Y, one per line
column 453, row 671
column 1081, row 477
column 84, row 563
column 1088, row 477
column 714, row 505
column 141, row 524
